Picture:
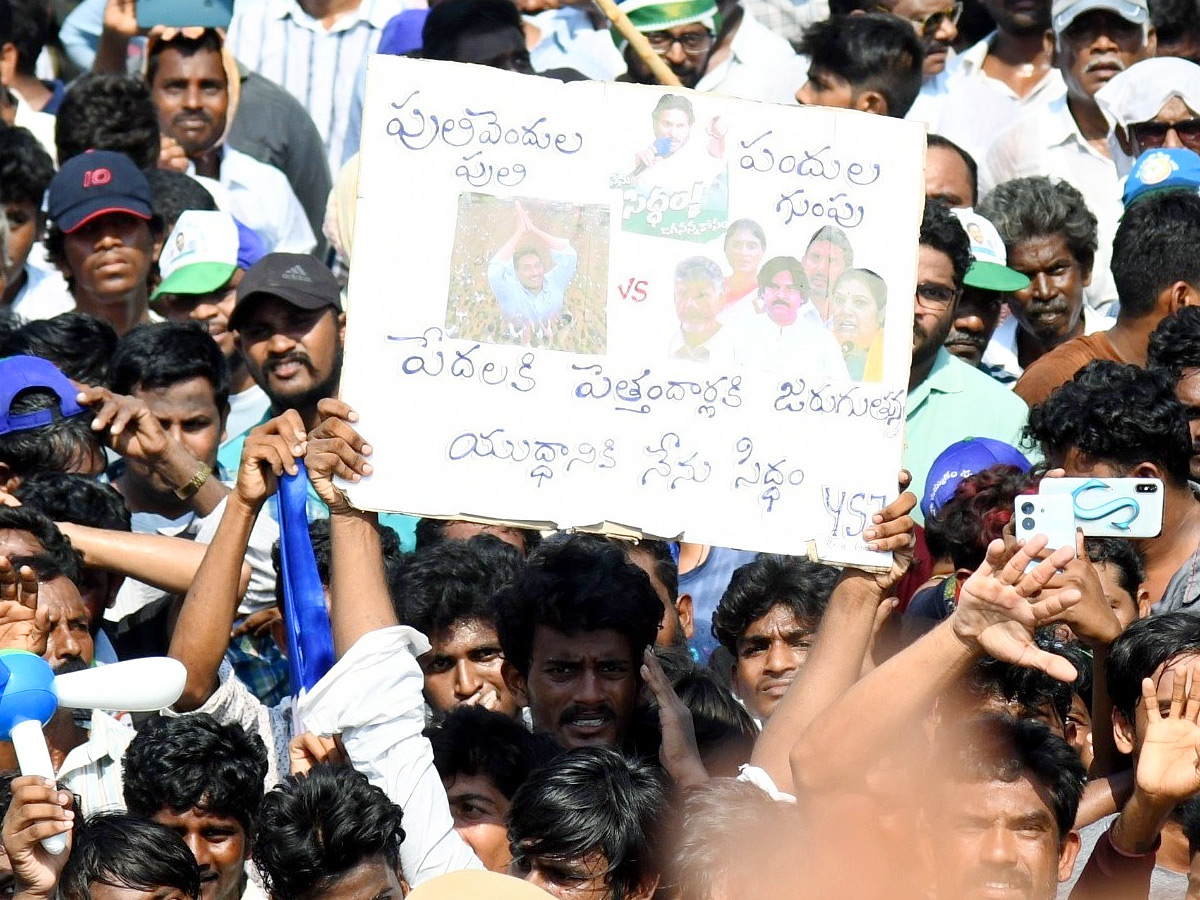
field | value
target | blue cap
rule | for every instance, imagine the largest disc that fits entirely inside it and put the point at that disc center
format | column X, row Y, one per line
column 19, row 373
column 1162, row 169
column 250, row 246
column 97, row 183
column 962, row 460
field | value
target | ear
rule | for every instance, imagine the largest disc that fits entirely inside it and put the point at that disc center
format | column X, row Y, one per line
column 643, row 890
column 870, row 102
column 1123, row 140
column 8, row 63
column 1148, row 470
column 1066, row 855
column 342, row 327
column 515, row 682
column 1143, row 603
column 1187, row 295
column 224, row 421
column 1151, row 48
column 683, row 606
column 1124, row 734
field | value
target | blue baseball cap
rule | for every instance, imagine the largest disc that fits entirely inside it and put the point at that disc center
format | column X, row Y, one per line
column 97, row 183
column 962, row 460
column 1163, row 169
column 20, row 373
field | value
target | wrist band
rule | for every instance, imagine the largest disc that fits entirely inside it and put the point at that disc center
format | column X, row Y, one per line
column 188, row 491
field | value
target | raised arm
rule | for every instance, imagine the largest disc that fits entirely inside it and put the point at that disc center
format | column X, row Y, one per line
column 167, row 563
column 842, row 641
column 201, row 633
column 995, row 616
column 356, row 554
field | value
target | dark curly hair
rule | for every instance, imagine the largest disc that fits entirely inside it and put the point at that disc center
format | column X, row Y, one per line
column 1140, row 649
column 127, row 851
column 1025, row 208
column 181, row 762
column 1118, row 414
column 1175, row 344
column 942, row 231
column 58, row 557
column 769, row 581
column 575, row 585
column 108, row 112
column 314, row 828
column 473, row 741
column 25, row 168
column 80, row 345
column 977, row 513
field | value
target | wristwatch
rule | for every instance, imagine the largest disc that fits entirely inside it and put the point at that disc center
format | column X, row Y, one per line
column 188, row 491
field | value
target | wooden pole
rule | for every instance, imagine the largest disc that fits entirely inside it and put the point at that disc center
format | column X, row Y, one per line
column 638, row 42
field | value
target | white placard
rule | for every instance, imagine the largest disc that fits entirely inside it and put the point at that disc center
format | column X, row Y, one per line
column 548, row 321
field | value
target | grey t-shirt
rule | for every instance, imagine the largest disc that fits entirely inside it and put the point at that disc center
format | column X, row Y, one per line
column 1164, row 884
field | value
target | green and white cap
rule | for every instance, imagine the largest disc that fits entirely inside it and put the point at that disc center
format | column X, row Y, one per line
column 650, row 16
column 203, row 251
column 990, row 269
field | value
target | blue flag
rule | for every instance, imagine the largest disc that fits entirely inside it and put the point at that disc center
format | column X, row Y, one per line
column 310, row 640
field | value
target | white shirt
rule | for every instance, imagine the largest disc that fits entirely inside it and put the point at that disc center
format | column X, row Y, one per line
column 1000, row 356
column 761, row 344
column 246, row 409
column 1048, row 142
column 278, row 39
column 39, row 123
column 568, row 40
column 971, row 108
column 262, row 199
column 373, row 696
column 761, row 66
column 43, row 296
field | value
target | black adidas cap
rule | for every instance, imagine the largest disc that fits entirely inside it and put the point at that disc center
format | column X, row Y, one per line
column 293, row 277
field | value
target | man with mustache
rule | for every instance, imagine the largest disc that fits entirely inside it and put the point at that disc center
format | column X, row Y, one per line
column 978, row 310
column 1068, row 139
column 1050, row 237
column 826, row 257
column 204, row 259
column 195, row 88
column 41, row 573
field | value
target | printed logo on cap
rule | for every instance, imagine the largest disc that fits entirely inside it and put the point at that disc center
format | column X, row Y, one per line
column 296, row 273
column 97, row 177
column 1156, row 168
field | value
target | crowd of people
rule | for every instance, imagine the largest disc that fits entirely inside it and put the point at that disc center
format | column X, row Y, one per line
column 510, row 712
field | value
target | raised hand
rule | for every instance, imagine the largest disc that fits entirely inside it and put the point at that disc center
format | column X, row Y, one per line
column 133, row 430
column 1001, row 604
column 22, row 625
column 1092, row 619
column 335, row 448
column 893, row 529
column 271, row 449
column 307, row 750
column 678, row 752
column 1168, row 768
column 38, row 810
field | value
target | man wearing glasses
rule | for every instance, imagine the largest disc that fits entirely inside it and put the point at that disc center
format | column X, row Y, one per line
column 730, row 53
column 948, row 400
column 936, row 24
column 1097, row 40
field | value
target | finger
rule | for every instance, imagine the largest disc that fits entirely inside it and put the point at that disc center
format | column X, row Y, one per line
column 27, row 813
column 1178, row 693
column 1046, row 608
column 39, row 831
column 28, row 595
column 907, row 540
column 346, row 456
column 896, row 510
column 1057, row 667
column 104, row 416
column 1056, row 473
column 331, row 407
column 883, row 613
column 339, row 429
column 905, row 479
column 1192, row 711
column 8, row 581
column 1150, row 701
column 1080, row 544
column 126, row 413
column 1040, row 575
column 1014, row 570
column 655, row 678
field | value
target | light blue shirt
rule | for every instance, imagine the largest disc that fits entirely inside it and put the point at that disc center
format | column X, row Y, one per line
column 518, row 302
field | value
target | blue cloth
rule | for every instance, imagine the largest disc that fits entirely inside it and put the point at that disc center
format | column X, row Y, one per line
column 309, row 635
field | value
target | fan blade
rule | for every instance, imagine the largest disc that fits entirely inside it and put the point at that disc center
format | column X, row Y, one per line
column 138, row 685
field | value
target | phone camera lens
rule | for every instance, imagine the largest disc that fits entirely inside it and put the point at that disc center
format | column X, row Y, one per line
column 1027, row 508
column 1028, row 524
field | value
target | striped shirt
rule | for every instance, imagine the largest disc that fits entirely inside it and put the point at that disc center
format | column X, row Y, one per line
column 92, row 771
column 282, row 42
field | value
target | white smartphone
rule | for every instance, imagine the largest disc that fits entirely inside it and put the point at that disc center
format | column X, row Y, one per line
column 1112, row 507
column 1050, row 514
